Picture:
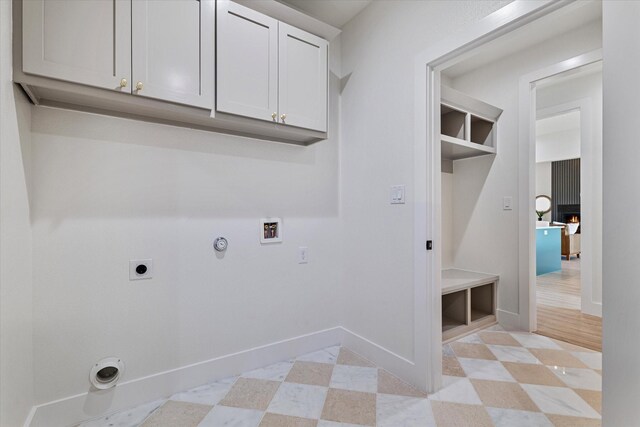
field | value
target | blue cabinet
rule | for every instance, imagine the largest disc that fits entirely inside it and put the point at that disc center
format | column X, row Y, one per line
column 548, row 255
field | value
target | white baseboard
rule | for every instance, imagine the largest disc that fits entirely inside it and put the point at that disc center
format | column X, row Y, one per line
column 592, row 308
column 380, row 356
column 508, row 320
column 95, row 403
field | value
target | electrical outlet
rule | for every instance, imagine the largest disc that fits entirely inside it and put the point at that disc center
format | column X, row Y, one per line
column 396, row 196
column 140, row 269
column 303, row 255
column 507, row 203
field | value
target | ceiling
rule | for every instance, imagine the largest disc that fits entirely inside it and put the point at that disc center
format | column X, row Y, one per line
column 334, row 12
column 564, row 20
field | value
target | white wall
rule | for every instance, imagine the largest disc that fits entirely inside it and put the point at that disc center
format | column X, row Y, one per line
column 621, row 154
column 487, row 236
column 377, row 151
column 543, row 183
column 558, row 146
column 16, row 351
column 107, row 190
column 558, row 134
column 587, row 90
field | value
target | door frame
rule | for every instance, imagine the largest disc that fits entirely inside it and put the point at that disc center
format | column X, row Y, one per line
column 526, row 188
column 427, row 217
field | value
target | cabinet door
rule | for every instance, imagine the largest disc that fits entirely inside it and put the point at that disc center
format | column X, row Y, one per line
column 87, row 42
column 247, row 62
column 303, row 72
column 173, row 50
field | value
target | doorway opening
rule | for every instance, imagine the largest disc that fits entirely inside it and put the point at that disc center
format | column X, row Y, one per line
column 568, row 170
column 493, row 192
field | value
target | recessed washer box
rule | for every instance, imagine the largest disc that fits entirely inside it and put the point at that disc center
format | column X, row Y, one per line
column 140, row 269
column 270, row 230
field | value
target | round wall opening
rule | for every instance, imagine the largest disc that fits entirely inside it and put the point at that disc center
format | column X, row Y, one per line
column 106, row 373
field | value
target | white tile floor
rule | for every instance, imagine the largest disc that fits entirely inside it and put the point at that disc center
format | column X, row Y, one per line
column 493, row 378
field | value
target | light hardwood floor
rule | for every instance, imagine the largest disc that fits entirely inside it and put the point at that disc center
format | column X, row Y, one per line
column 559, row 315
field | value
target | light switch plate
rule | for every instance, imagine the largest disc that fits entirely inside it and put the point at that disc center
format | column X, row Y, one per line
column 507, row 203
column 397, row 195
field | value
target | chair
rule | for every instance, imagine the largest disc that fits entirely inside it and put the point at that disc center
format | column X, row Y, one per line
column 570, row 243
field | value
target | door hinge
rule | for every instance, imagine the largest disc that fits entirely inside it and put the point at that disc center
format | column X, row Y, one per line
column 429, row 245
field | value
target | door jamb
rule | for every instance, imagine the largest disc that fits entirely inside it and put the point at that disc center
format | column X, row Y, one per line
column 526, row 188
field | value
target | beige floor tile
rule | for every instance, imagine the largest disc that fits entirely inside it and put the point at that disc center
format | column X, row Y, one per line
column 561, row 358
column 276, row 420
column 565, row 421
column 449, row 414
column 507, row 395
column 348, row 357
column 311, row 373
column 498, row 338
column 533, row 374
column 472, row 351
column 592, row 397
column 174, row 413
column 451, row 367
column 352, row 407
column 389, row 384
column 250, row 393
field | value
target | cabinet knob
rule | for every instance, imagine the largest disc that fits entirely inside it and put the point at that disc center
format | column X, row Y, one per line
column 139, row 86
column 274, row 116
column 283, row 117
column 123, row 82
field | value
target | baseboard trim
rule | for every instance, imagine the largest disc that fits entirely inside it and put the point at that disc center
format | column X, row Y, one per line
column 95, row 403
column 592, row 308
column 508, row 320
column 382, row 357
column 32, row 414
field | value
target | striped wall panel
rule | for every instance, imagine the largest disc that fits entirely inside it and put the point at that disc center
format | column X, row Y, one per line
column 565, row 185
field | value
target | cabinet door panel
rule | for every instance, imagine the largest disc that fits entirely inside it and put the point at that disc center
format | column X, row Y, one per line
column 247, row 65
column 87, row 42
column 303, row 72
column 173, row 50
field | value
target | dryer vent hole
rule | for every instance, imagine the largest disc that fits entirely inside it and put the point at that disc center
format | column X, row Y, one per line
column 107, row 374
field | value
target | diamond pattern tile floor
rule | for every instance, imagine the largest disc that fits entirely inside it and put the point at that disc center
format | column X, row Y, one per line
column 492, row 378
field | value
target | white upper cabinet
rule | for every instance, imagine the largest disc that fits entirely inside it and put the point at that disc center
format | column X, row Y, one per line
column 302, row 78
column 86, row 42
column 173, row 50
column 247, row 62
column 244, row 71
column 269, row 70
